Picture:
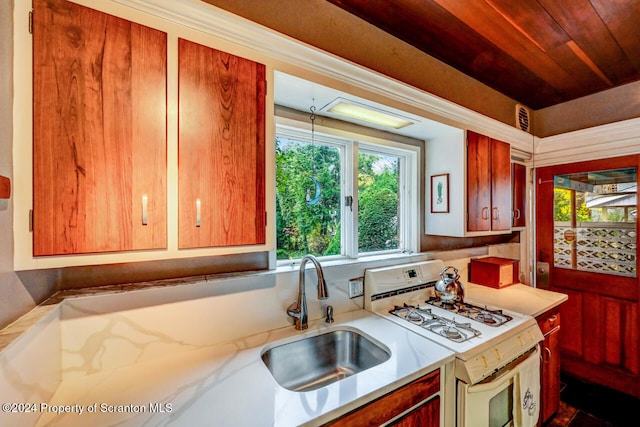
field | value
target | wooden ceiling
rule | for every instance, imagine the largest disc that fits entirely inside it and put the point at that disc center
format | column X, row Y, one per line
column 538, row 52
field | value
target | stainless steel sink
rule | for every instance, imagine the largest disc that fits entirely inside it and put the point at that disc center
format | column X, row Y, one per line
column 310, row 363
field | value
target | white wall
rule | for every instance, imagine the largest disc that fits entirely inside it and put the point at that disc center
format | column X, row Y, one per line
column 14, row 298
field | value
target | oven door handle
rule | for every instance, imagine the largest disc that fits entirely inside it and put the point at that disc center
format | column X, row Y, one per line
column 504, row 377
column 495, row 384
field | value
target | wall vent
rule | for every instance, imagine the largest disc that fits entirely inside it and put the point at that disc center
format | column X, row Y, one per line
column 523, row 119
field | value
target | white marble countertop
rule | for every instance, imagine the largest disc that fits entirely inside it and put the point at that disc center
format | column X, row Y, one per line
column 228, row 384
column 520, row 298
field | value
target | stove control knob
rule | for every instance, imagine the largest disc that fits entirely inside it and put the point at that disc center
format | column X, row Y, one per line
column 497, row 352
column 485, row 361
column 521, row 340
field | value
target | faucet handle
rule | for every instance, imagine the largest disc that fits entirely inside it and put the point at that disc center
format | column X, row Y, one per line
column 329, row 318
column 293, row 310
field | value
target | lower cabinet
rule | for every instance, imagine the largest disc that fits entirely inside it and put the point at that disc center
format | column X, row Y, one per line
column 382, row 410
column 427, row 414
column 549, row 323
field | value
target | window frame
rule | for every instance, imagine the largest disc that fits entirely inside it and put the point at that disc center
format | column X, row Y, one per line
column 350, row 144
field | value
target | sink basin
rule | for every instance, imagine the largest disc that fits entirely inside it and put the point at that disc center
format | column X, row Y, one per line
column 314, row 362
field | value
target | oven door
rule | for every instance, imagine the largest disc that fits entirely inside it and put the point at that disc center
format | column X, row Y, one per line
column 510, row 398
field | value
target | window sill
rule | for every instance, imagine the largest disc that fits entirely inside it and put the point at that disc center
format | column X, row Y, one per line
column 373, row 260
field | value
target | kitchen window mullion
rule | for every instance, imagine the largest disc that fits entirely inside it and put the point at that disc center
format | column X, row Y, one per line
column 350, row 213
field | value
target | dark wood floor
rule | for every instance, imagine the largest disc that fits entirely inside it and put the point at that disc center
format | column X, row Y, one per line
column 585, row 404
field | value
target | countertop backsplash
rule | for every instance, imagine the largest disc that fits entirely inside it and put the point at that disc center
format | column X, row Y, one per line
column 101, row 329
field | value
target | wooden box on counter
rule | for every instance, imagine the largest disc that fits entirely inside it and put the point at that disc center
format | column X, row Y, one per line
column 494, row 271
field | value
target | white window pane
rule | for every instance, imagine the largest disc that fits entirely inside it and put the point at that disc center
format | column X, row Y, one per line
column 307, row 199
column 378, row 202
column 595, row 222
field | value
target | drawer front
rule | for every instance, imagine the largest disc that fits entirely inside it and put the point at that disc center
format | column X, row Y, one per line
column 549, row 321
column 391, row 405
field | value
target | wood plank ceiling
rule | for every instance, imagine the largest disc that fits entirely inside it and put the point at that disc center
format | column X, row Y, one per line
column 538, row 52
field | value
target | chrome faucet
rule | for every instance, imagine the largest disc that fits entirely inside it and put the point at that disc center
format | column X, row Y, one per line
column 298, row 309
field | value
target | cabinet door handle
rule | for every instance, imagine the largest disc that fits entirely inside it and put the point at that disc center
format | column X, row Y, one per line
column 485, row 213
column 548, row 351
column 516, row 213
column 198, row 212
column 552, row 319
column 144, row 209
column 496, row 213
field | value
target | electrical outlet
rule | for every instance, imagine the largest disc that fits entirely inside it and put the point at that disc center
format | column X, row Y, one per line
column 356, row 287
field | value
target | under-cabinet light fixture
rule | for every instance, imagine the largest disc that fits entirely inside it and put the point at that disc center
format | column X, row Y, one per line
column 366, row 113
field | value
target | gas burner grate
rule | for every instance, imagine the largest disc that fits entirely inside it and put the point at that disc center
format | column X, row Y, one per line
column 413, row 314
column 455, row 331
column 479, row 314
column 447, row 328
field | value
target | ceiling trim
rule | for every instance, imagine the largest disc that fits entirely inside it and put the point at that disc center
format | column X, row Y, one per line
column 605, row 141
column 234, row 29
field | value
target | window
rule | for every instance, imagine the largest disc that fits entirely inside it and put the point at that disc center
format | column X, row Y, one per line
column 378, row 202
column 327, row 204
column 595, row 221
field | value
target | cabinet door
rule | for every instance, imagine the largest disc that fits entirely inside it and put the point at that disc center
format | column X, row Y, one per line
column 550, row 384
column 550, row 368
column 478, row 182
column 221, row 164
column 99, row 132
column 518, row 194
column 425, row 415
column 386, row 408
column 500, row 186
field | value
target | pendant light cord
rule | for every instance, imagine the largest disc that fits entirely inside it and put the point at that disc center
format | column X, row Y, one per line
column 312, row 117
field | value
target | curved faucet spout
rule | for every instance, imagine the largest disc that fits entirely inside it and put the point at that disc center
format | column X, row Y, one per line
column 298, row 310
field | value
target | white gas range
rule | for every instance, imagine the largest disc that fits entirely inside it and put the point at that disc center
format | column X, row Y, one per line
column 493, row 347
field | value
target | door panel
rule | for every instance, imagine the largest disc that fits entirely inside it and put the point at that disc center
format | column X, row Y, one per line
column 591, row 256
column 500, row 185
column 478, row 182
column 571, row 341
column 621, row 334
column 221, row 148
column 99, row 132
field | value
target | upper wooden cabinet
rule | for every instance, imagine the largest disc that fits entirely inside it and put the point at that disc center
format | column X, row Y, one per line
column 519, row 194
column 488, row 184
column 478, row 173
column 101, row 162
column 99, row 132
column 221, row 148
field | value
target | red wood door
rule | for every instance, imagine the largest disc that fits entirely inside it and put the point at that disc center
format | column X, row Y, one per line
column 500, row 186
column 478, row 182
column 99, row 132
column 599, row 335
column 221, row 165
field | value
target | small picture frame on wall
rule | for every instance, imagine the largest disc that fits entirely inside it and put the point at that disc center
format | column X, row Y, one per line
column 440, row 193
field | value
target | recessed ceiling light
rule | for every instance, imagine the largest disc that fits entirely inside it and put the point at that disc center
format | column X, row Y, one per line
column 367, row 114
